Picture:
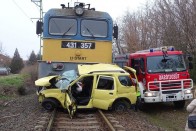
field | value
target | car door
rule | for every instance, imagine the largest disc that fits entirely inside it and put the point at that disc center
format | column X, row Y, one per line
column 133, row 77
column 70, row 103
column 105, row 92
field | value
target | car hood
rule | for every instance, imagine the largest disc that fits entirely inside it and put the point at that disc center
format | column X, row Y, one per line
column 45, row 81
column 61, row 82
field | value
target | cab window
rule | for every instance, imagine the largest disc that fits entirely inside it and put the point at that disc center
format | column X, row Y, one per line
column 125, row 81
column 83, row 87
column 94, row 28
column 62, row 26
column 138, row 64
column 105, row 83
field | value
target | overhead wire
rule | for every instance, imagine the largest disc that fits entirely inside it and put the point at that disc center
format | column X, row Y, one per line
column 22, row 10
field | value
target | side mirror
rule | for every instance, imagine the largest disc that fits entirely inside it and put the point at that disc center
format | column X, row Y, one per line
column 39, row 27
column 115, row 34
column 190, row 65
column 124, row 82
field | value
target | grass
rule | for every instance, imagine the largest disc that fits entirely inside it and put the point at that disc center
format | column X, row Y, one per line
column 164, row 115
column 12, row 80
column 4, row 97
column 12, row 85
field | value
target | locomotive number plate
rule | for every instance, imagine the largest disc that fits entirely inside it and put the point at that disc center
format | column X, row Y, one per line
column 78, row 45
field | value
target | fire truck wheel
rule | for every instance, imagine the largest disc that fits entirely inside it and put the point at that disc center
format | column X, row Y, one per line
column 179, row 104
column 119, row 106
column 49, row 104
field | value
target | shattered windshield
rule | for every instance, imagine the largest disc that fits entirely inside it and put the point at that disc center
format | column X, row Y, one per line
column 170, row 63
column 66, row 78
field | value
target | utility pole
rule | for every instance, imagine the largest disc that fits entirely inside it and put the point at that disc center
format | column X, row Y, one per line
column 39, row 4
column 118, row 46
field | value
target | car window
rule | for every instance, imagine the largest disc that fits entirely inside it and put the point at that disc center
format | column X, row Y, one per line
column 105, row 83
column 66, row 78
column 125, row 80
column 82, row 87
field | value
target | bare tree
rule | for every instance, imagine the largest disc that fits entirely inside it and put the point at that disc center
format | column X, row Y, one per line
column 160, row 23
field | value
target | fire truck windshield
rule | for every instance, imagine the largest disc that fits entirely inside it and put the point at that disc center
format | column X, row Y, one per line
column 171, row 63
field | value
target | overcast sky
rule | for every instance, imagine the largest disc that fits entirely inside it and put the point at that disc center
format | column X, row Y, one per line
column 17, row 29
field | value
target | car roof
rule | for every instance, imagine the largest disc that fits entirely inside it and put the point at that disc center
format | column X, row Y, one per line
column 99, row 68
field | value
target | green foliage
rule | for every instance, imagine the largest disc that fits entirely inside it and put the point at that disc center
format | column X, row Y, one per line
column 32, row 58
column 16, row 63
column 12, row 85
column 4, row 97
column 12, row 81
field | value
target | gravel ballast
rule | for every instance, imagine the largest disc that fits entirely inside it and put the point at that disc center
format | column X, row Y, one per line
column 22, row 113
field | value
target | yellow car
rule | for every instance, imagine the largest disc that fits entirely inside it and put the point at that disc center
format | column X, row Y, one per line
column 103, row 86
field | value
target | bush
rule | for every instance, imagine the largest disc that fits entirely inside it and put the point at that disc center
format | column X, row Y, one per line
column 30, row 70
column 22, row 90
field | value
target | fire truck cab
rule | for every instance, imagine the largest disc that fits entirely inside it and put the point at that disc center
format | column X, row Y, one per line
column 162, row 75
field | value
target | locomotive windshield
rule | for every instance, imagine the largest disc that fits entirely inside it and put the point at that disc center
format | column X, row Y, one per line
column 68, row 26
column 94, row 28
column 62, row 26
column 159, row 64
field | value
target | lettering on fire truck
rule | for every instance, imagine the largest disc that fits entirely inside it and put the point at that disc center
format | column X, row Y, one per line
column 169, row 76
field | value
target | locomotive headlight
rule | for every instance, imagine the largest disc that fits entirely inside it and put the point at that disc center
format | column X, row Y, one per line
column 57, row 66
column 151, row 94
column 79, row 10
column 187, row 91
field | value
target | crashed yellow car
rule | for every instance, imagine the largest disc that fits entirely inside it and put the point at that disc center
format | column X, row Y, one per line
column 103, row 86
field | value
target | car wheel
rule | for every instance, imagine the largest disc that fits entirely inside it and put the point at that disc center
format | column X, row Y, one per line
column 179, row 104
column 49, row 104
column 120, row 106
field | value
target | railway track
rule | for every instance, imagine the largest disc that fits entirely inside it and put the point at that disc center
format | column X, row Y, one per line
column 93, row 121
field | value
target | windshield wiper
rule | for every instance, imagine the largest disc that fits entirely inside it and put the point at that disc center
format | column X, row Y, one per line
column 67, row 30
column 89, row 31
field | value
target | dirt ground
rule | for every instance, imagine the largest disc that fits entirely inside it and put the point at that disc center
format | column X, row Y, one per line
column 21, row 114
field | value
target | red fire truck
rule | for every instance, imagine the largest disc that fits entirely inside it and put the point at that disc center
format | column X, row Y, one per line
column 162, row 75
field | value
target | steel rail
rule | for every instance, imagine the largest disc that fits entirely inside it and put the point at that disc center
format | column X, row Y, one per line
column 51, row 120
column 107, row 121
column 55, row 122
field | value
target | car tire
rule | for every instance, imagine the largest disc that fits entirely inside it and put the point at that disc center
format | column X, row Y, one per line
column 179, row 104
column 50, row 104
column 120, row 106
